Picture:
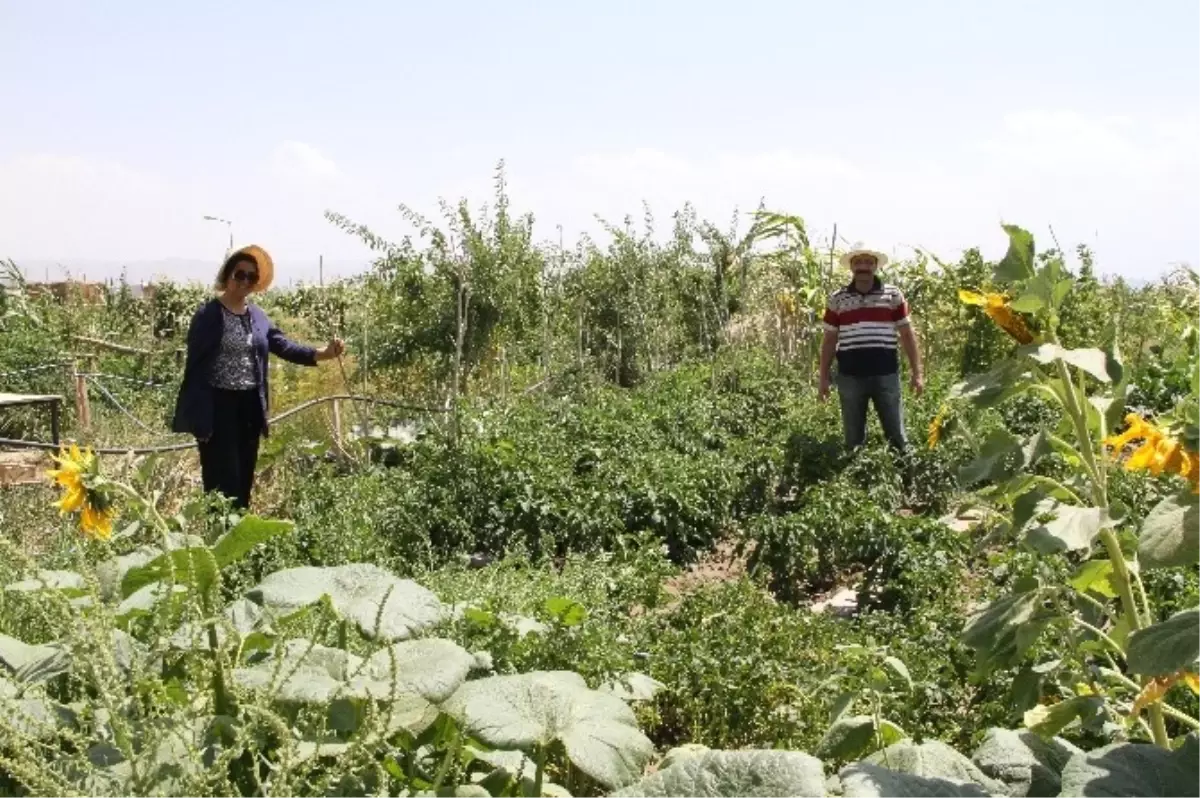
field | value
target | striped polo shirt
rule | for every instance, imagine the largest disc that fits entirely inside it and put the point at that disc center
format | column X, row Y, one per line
column 867, row 326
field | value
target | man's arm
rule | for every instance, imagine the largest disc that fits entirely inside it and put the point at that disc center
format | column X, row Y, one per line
column 828, row 349
column 908, row 342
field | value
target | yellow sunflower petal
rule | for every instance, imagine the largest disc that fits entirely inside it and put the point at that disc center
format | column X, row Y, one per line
column 72, row 500
column 1009, row 321
column 96, row 523
column 970, row 297
column 935, row 428
column 1192, row 681
column 1152, row 693
column 1143, row 457
column 1168, row 456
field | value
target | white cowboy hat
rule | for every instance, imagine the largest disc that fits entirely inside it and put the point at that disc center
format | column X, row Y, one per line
column 859, row 249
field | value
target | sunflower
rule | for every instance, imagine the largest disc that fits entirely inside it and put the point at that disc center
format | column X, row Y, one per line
column 936, row 426
column 998, row 310
column 77, row 474
column 786, row 303
column 97, row 522
column 1153, row 692
column 1158, row 452
column 1156, row 689
column 73, row 464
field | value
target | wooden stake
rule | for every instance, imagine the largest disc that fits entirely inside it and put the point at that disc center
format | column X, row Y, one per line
column 337, row 426
column 82, row 408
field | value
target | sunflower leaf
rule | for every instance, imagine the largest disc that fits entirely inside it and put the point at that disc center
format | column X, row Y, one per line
column 1170, row 534
column 1018, row 260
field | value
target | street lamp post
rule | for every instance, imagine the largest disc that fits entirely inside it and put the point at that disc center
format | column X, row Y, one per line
column 228, row 224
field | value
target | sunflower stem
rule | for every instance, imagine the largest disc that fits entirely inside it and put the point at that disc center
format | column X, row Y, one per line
column 1121, row 574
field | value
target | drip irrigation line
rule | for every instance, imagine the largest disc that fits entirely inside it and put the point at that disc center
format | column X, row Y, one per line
column 92, row 375
column 32, row 370
column 179, row 447
column 119, row 406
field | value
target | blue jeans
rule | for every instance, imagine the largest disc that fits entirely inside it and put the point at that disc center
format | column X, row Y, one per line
column 884, row 392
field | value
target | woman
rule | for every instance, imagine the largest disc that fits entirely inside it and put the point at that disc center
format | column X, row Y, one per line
column 223, row 398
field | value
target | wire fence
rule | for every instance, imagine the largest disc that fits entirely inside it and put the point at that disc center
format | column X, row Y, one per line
column 80, row 381
column 32, row 370
column 184, row 446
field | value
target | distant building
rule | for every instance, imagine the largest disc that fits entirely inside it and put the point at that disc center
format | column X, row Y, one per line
column 62, row 289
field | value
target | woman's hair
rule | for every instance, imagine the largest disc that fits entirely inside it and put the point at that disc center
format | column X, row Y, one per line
column 230, row 264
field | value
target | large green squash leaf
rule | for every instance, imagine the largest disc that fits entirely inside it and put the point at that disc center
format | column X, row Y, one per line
column 1134, row 769
column 431, row 669
column 598, row 730
column 31, row 664
column 1166, row 647
column 365, row 594
column 247, row 620
column 68, row 583
column 633, row 686
column 143, row 600
column 170, row 752
column 1029, row 766
column 868, row 780
column 26, row 710
column 735, row 773
column 911, row 769
column 1170, row 534
column 302, row 672
column 853, row 736
column 194, row 566
column 248, row 533
column 110, row 573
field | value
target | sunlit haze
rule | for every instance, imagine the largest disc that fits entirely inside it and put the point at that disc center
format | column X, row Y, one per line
column 917, row 124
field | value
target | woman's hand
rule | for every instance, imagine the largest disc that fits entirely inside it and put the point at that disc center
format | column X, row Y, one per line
column 333, row 349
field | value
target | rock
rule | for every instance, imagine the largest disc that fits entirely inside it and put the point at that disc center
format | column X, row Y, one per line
column 843, row 602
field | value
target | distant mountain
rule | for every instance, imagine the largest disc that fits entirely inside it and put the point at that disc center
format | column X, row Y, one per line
column 179, row 270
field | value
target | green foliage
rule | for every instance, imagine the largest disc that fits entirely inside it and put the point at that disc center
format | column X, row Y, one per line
column 564, row 548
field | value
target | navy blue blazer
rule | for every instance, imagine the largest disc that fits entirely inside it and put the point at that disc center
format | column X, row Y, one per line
column 194, row 404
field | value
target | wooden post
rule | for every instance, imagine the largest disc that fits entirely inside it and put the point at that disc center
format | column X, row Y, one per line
column 337, row 425
column 82, row 408
column 55, row 424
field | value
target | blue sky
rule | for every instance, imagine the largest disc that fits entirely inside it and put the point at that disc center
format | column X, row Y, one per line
column 917, row 123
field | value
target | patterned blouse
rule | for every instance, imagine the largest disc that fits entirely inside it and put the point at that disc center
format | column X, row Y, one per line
column 234, row 367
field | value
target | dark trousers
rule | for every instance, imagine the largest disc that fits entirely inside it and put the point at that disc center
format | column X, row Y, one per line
column 882, row 391
column 228, row 458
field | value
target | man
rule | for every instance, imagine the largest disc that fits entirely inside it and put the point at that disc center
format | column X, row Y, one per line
column 862, row 322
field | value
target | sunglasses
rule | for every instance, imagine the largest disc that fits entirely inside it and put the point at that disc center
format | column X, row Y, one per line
column 249, row 278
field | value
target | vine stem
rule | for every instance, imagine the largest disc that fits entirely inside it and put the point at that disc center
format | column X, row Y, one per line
column 1178, row 714
column 1102, row 635
column 540, row 759
column 444, row 768
column 1075, row 398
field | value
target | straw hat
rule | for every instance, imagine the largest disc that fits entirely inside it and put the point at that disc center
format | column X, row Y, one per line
column 266, row 266
column 859, row 249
